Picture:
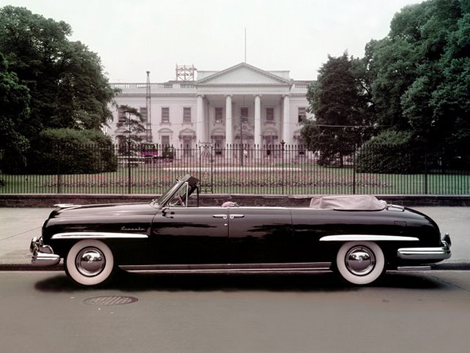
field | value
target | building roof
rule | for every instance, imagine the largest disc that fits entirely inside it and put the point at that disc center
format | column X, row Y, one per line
column 244, row 73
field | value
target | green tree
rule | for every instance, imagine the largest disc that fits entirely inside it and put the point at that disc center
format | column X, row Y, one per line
column 338, row 100
column 421, row 76
column 66, row 81
column 14, row 112
column 83, row 92
column 395, row 64
column 451, row 98
column 130, row 126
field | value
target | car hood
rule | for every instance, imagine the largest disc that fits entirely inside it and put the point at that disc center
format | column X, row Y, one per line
column 103, row 211
column 114, row 218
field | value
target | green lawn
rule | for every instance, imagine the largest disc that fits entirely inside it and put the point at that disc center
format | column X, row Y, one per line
column 251, row 179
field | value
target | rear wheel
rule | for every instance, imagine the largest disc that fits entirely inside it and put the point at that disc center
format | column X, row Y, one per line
column 90, row 262
column 360, row 263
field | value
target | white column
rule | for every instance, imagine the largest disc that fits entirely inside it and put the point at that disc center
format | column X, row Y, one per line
column 228, row 120
column 286, row 129
column 200, row 126
column 257, row 120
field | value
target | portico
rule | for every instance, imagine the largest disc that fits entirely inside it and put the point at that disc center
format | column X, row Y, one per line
column 249, row 100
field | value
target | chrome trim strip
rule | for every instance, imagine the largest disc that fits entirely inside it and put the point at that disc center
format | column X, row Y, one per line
column 364, row 237
column 98, row 235
column 414, row 268
column 65, row 205
column 217, row 268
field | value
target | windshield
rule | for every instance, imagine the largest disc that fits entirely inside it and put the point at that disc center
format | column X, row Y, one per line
column 191, row 187
column 167, row 193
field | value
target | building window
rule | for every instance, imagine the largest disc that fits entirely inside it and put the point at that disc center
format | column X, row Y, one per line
column 186, row 115
column 302, row 113
column 143, row 112
column 165, row 140
column 165, row 115
column 244, row 114
column 270, row 115
column 121, row 115
column 219, row 115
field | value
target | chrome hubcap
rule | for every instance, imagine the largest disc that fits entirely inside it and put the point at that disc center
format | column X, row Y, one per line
column 360, row 260
column 90, row 262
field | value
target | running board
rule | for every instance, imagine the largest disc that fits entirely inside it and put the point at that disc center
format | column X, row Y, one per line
column 230, row 268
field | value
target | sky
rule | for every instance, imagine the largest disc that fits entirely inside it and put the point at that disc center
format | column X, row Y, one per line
column 135, row 36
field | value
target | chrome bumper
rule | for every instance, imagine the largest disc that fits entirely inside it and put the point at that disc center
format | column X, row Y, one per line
column 428, row 254
column 43, row 255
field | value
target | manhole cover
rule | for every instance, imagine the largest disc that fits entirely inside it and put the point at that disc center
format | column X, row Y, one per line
column 110, row 300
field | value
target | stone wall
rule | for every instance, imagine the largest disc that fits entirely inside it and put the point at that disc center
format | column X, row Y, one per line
column 48, row 200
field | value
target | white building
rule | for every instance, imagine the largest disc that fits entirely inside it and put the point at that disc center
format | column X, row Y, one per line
column 242, row 104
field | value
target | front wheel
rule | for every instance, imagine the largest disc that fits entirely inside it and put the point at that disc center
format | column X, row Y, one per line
column 89, row 262
column 360, row 263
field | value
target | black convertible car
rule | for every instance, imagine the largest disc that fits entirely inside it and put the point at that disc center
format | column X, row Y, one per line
column 359, row 237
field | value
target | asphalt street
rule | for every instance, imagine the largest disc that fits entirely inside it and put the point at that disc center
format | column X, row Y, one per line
column 420, row 312
column 19, row 225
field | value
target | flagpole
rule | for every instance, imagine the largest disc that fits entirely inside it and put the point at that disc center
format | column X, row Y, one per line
column 245, row 45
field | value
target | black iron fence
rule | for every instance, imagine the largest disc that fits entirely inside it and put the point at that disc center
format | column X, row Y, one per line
column 242, row 169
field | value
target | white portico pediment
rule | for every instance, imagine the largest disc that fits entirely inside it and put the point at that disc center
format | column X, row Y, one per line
column 243, row 74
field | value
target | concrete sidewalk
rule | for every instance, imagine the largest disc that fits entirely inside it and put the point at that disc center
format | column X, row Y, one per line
column 19, row 225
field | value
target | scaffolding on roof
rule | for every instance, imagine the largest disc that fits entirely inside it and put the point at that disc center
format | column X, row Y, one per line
column 185, row 72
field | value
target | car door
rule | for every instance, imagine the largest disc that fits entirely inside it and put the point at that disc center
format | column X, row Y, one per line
column 190, row 235
column 260, row 234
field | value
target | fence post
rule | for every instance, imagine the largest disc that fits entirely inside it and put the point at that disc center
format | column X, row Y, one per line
column 282, row 166
column 199, row 160
column 129, row 188
column 354, row 169
column 212, row 156
column 59, row 155
column 425, row 169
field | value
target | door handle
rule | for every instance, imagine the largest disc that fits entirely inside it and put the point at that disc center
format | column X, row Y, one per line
column 233, row 216
column 223, row 216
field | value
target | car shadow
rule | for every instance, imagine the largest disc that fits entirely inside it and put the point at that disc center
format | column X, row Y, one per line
column 274, row 282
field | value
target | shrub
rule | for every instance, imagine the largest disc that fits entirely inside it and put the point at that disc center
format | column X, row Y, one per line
column 391, row 152
column 69, row 151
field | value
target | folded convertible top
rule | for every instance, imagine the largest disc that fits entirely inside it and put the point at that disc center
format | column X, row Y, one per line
column 348, row 203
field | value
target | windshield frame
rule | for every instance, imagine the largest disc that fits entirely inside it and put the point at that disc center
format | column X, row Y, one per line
column 167, row 195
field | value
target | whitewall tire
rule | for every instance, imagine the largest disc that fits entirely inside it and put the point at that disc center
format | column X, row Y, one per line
column 360, row 263
column 89, row 262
